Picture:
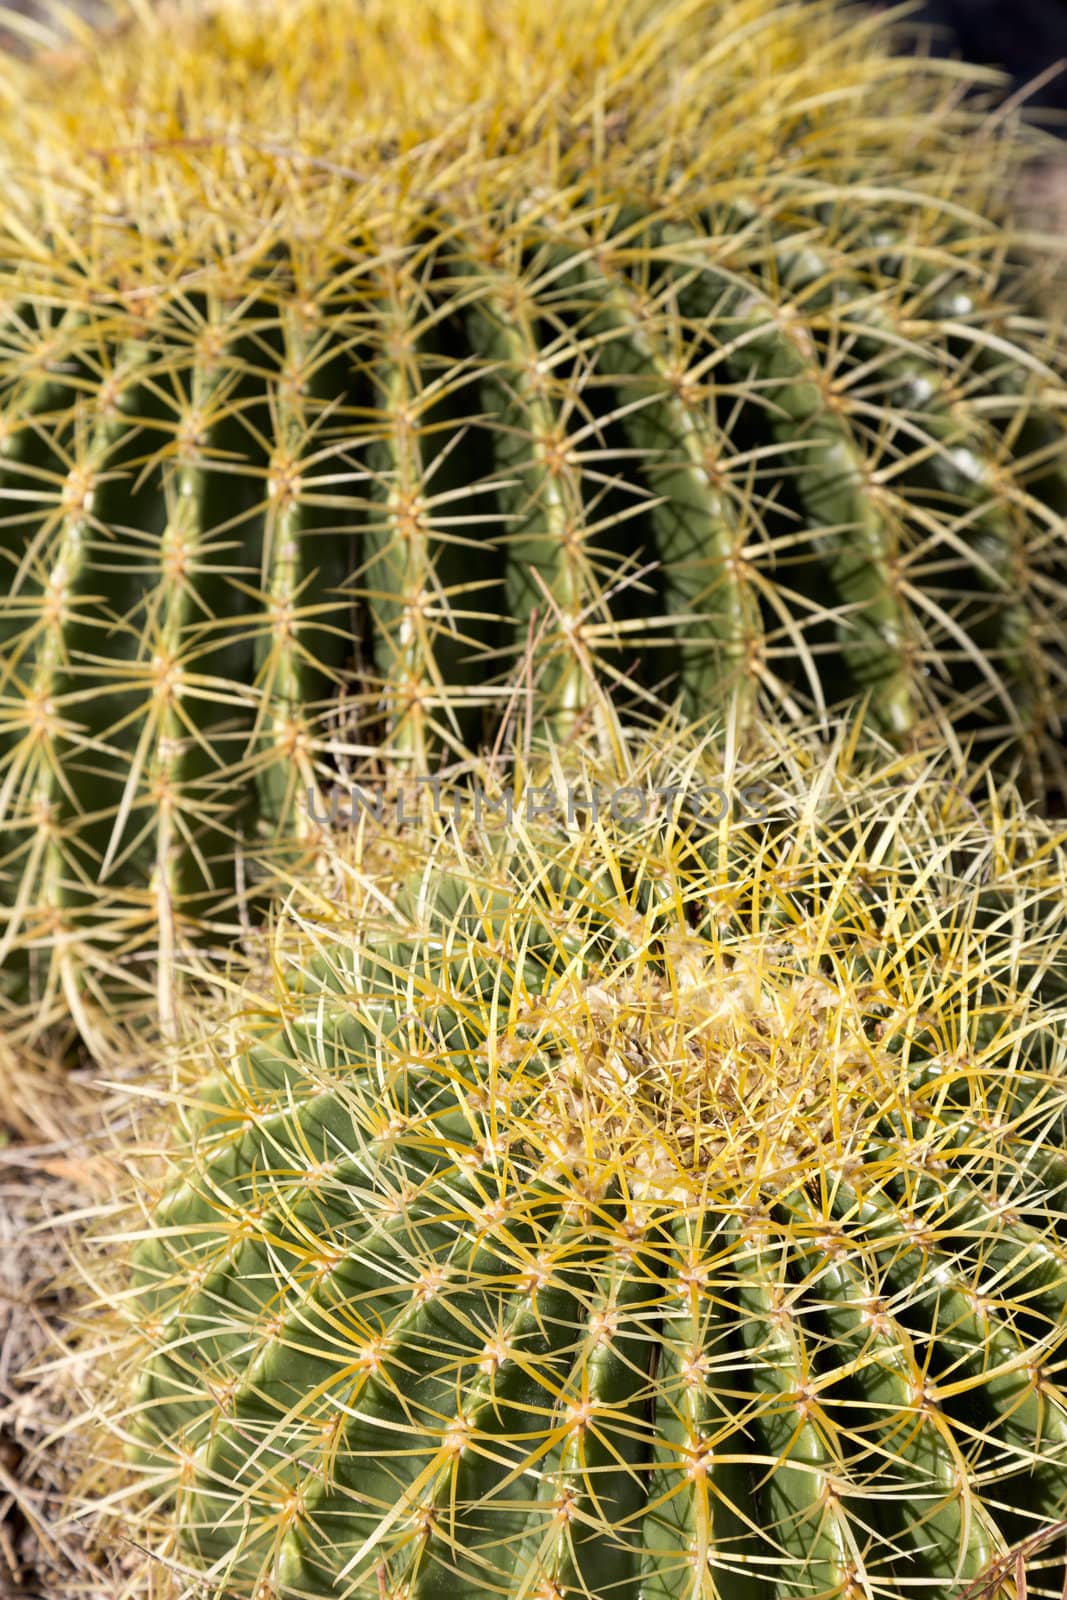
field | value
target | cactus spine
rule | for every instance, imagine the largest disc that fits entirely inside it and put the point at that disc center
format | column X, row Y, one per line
column 618, row 354
column 629, row 1209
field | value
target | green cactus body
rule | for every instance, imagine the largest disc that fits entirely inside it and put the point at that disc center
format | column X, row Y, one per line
column 477, row 403
column 641, row 1210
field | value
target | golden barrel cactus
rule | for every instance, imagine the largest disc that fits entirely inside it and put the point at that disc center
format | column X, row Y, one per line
column 603, row 1207
column 377, row 379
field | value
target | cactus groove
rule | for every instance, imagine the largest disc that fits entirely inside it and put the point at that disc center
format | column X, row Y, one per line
column 634, row 1212
column 380, row 425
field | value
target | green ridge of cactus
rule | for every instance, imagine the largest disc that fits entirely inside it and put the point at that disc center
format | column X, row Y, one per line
column 661, row 1209
column 387, row 382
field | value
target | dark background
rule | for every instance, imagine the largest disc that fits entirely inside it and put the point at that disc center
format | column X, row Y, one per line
column 1025, row 37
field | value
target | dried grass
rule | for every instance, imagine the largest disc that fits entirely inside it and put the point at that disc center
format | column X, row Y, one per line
column 47, row 1550
column 1025, row 1563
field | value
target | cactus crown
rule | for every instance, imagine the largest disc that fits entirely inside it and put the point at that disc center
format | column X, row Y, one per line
column 194, row 140
column 629, row 1210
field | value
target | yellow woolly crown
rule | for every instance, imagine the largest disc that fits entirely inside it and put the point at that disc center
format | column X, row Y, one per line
column 187, row 131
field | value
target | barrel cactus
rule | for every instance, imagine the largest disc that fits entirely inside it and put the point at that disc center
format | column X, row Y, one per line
column 372, row 380
column 638, row 1204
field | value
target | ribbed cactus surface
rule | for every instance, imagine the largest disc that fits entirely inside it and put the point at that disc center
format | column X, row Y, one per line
column 630, row 1211
column 368, row 384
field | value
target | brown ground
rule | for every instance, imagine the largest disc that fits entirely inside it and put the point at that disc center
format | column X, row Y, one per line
column 46, row 1179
